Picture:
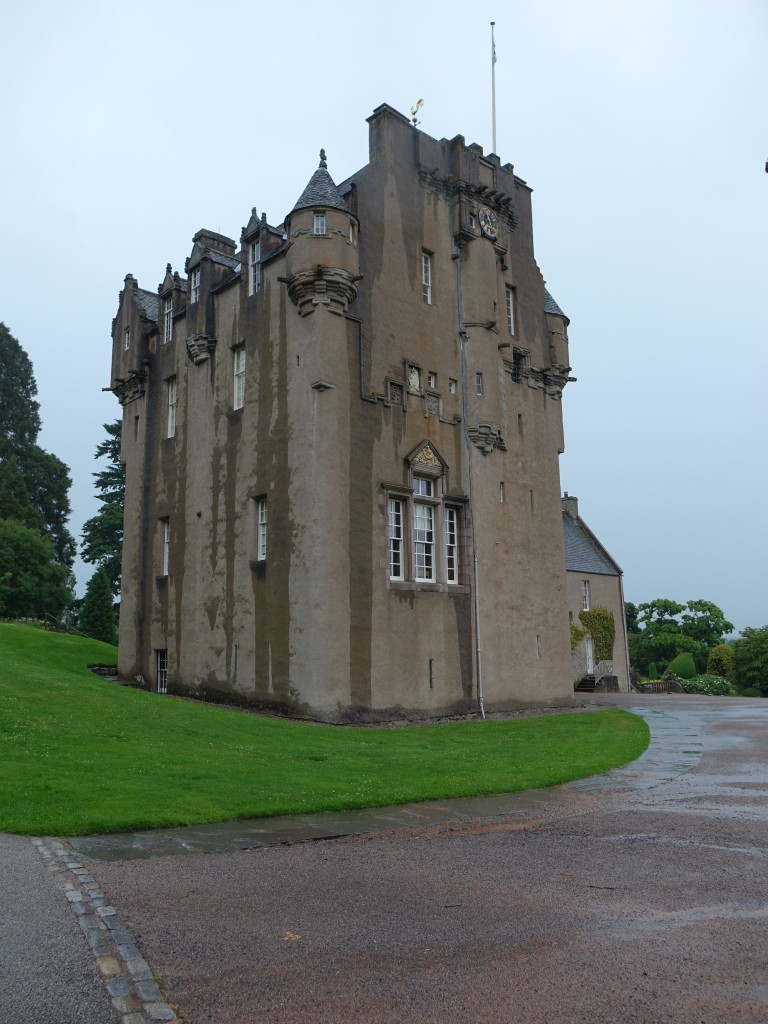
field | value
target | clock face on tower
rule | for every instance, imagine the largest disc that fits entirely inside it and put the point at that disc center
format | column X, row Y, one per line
column 488, row 222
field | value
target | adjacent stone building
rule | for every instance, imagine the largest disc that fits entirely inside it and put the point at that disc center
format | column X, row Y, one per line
column 595, row 580
column 341, row 440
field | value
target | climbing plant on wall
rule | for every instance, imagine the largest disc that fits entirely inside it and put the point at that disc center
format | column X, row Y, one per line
column 578, row 633
column 602, row 628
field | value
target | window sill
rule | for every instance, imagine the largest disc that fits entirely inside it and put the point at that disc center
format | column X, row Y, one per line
column 409, row 586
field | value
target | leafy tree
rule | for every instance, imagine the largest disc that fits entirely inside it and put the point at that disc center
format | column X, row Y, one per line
column 720, row 661
column 667, row 628
column 32, row 583
column 751, row 659
column 630, row 614
column 97, row 613
column 34, row 485
column 103, row 533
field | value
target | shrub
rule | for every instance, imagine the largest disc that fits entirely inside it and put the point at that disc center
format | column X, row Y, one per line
column 602, row 629
column 577, row 635
column 751, row 691
column 682, row 665
column 711, row 686
column 653, row 672
column 720, row 661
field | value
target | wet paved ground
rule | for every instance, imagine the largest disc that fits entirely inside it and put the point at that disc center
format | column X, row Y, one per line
column 637, row 896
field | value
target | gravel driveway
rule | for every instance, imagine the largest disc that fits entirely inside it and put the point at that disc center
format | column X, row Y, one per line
column 637, row 896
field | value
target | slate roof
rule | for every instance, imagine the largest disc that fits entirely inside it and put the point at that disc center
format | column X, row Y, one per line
column 321, row 192
column 583, row 551
column 149, row 303
column 550, row 306
column 225, row 261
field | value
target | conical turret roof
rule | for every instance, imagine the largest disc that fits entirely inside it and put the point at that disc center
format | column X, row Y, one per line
column 321, row 191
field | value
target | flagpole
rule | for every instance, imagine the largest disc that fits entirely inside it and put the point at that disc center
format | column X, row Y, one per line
column 493, row 83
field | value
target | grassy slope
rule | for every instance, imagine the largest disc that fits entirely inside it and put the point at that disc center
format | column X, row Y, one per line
column 79, row 755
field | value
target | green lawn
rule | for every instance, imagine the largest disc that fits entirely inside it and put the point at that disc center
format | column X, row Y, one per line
column 80, row 755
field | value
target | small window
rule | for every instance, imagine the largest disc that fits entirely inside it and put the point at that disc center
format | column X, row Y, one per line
column 451, row 544
column 518, row 361
column 165, row 546
column 395, row 510
column 452, row 386
column 319, row 228
column 172, row 392
column 127, row 338
column 423, row 486
column 511, row 310
column 478, row 383
column 261, row 529
column 351, row 232
column 167, row 321
column 585, row 596
column 254, row 267
column 195, row 286
column 432, row 380
column 426, row 276
column 238, row 355
column 473, row 221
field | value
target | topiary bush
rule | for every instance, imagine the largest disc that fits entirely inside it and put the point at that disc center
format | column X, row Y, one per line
column 653, row 671
column 682, row 665
column 720, row 661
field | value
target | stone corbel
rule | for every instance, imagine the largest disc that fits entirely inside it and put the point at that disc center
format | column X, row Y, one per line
column 200, row 347
column 486, row 437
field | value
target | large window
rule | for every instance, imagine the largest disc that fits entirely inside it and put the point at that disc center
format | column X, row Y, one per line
column 426, row 276
column 238, row 362
column 172, row 392
column 424, row 529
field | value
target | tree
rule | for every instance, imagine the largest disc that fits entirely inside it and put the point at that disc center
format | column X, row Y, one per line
column 668, row 628
column 751, row 659
column 103, row 533
column 720, row 661
column 97, row 613
column 32, row 583
column 630, row 614
column 34, row 484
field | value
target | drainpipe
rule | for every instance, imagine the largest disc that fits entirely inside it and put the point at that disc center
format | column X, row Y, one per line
column 463, row 339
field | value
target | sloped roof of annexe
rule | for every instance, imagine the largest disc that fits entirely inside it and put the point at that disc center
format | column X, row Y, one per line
column 583, row 551
column 149, row 303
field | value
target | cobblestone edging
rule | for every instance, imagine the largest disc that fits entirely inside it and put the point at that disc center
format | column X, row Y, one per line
column 128, row 978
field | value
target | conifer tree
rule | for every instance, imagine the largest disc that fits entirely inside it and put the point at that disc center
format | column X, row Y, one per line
column 97, row 613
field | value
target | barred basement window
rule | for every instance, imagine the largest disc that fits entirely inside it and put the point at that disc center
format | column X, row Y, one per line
column 161, row 670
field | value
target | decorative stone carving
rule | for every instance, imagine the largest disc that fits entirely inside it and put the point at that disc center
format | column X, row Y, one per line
column 432, row 404
column 427, row 457
column 130, row 388
column 486, row 437
column 323, row 286
column 396, row 394
column 200, row 347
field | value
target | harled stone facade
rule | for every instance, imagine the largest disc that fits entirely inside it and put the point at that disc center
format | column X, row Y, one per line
column 341, row 441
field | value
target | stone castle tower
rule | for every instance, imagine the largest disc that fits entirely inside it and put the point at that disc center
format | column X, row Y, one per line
column 341, row 443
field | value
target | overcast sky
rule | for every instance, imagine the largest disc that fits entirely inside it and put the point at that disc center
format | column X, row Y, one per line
column 640, row 125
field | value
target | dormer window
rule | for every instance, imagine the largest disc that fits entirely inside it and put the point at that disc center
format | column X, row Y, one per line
column 195, row 286
column 254, row 267
column 319, row 223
